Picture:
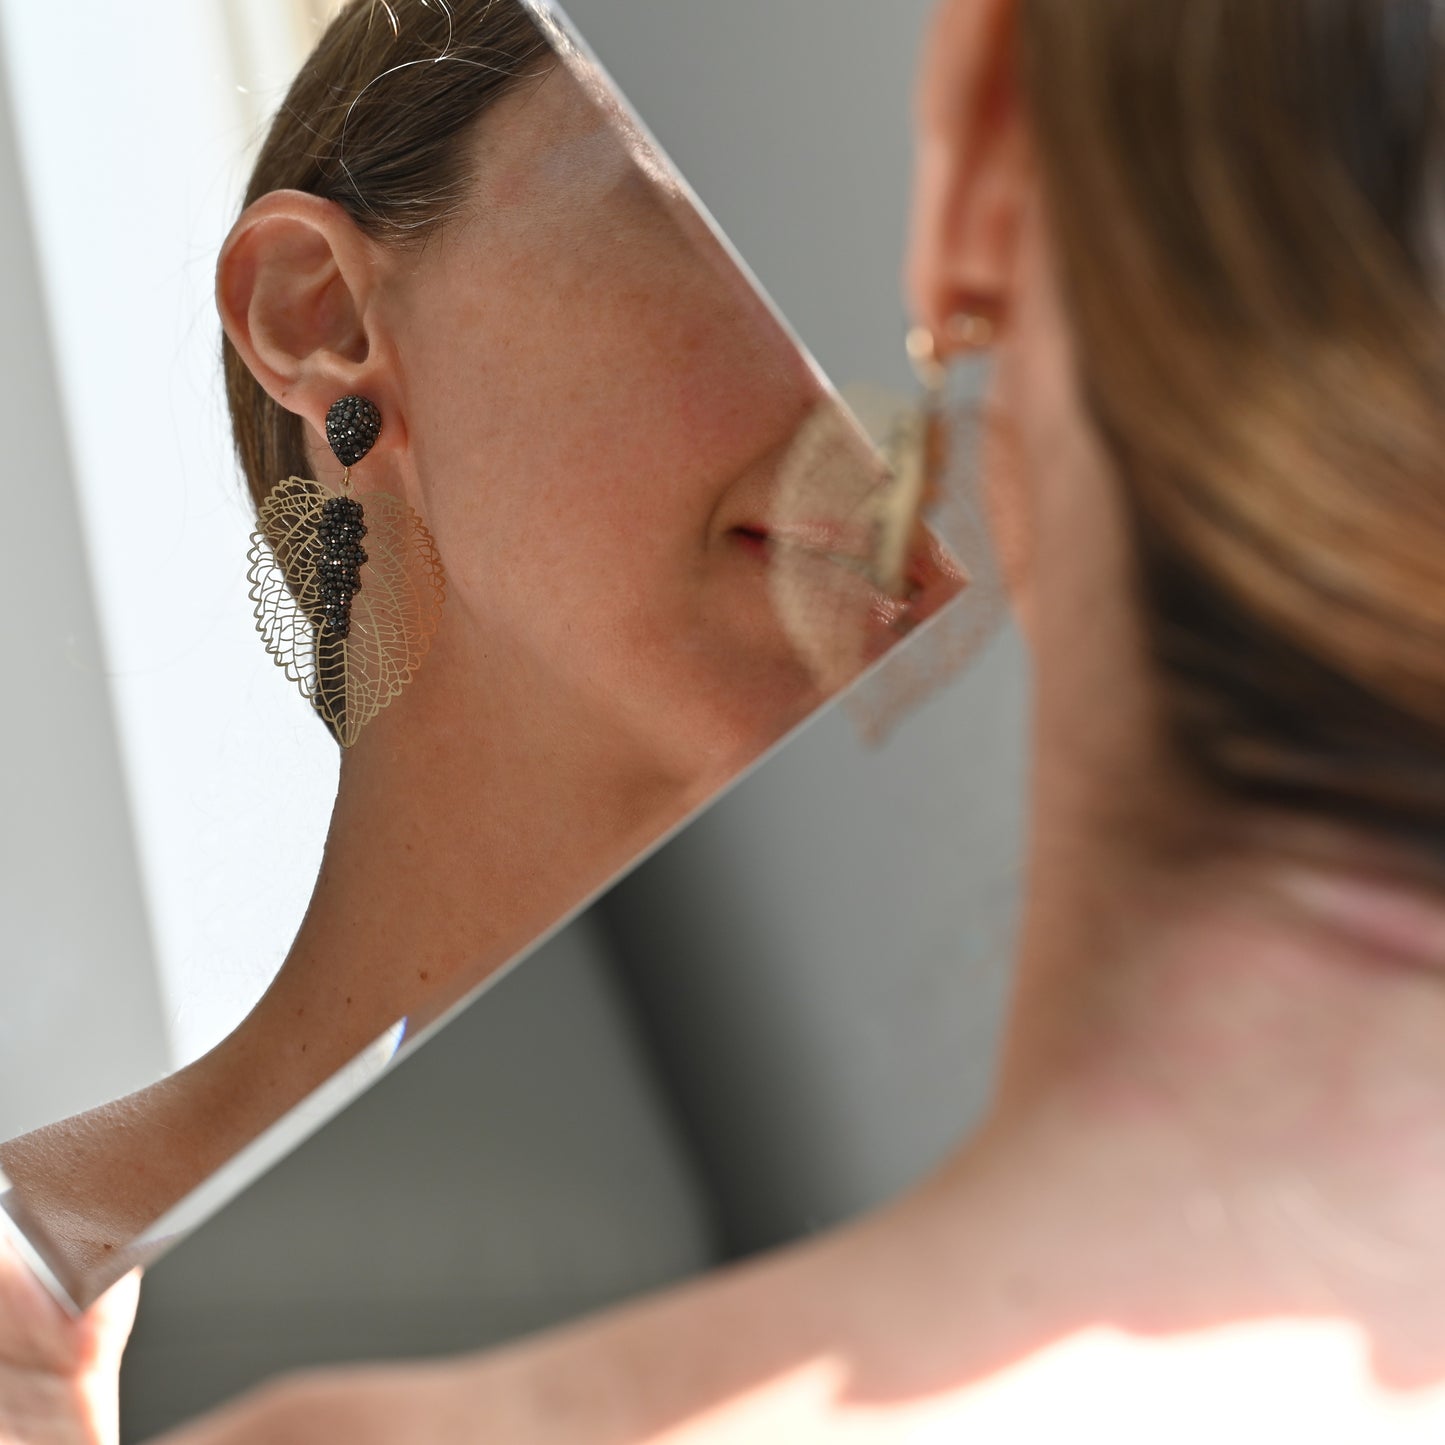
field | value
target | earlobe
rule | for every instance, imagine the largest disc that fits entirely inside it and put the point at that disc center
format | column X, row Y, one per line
column 293, row 286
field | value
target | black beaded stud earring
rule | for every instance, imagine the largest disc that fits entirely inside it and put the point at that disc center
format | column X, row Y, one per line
column 348, row 624
column 353, row 426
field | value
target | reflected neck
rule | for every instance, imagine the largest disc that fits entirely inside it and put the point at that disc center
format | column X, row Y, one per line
column 469, row 820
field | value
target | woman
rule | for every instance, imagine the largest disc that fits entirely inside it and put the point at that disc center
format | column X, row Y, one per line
column 1210, row 1199
column 601, row 424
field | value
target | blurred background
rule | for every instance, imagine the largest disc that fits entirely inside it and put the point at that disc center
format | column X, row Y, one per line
column 786, row 1017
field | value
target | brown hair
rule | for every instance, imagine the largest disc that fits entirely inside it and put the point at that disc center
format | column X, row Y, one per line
column 377, row 121
column 1244, row 195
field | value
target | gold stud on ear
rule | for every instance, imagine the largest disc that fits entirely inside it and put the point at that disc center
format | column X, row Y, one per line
column 970, row 331
column 930, row 353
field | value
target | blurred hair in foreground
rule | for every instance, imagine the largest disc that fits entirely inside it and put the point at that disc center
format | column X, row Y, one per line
column 1247, row 199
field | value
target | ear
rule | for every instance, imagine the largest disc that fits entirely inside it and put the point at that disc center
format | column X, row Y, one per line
column 295, row 286
column 973, row 172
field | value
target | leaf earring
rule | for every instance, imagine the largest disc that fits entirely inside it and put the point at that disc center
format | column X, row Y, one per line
column 881, row 562
column 934, row 449
column 348, row 589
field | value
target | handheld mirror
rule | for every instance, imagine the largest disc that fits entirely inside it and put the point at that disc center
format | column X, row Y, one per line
column 657, row 523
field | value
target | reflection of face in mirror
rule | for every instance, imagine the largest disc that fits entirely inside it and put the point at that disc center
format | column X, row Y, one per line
column 597, row 444
column 595, row 414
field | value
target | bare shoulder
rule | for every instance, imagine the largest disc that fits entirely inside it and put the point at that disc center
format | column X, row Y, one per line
column 674, row 1382
column 893, row 1330
column 869, row 1337
column 1025, row 1297
column 678, row 1364
column 1245, row 1382
column 637, row 1383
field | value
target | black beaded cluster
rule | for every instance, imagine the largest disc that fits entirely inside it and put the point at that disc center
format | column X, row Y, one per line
column 352, row 427
column 338, row 568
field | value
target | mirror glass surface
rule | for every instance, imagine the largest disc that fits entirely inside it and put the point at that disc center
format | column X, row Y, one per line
column 678, row 564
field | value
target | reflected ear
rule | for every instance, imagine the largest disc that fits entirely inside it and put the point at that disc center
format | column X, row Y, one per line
column 294, row 286
column 973, row 171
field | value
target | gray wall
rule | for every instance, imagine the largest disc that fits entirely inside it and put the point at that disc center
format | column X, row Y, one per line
column 791, row 118
column 821, row 962
column 802, row 993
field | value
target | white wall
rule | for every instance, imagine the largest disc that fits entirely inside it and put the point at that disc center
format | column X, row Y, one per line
column 80, row 1013
column 133, row 126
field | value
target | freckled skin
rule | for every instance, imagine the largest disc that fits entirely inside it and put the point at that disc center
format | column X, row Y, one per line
column 581, row 516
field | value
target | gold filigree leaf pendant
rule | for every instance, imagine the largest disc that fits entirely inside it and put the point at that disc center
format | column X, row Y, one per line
column 348, row 588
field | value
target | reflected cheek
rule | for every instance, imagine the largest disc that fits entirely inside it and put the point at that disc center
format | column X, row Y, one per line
column 736, row 388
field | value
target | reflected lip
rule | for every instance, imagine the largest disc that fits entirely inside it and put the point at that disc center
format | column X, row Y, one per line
column 756, row 541
column 933, row 577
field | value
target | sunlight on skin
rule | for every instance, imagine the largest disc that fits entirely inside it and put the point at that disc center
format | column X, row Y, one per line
column 1277, row 1380
column 1281, row 1380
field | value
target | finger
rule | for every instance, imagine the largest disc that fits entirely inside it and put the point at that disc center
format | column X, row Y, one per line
column 106, row 1326
column 35, row 1333
column 104, row 1332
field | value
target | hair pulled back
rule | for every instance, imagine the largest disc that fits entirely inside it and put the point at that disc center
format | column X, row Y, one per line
column 378, row 121
column 1247, row 197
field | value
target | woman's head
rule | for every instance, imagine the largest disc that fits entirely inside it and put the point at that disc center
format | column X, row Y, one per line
column 581, row 394
column 1234, row 207
column 372, row 125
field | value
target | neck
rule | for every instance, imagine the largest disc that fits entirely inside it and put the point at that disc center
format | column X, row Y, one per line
column 468, row 821
column 1256, row 1030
